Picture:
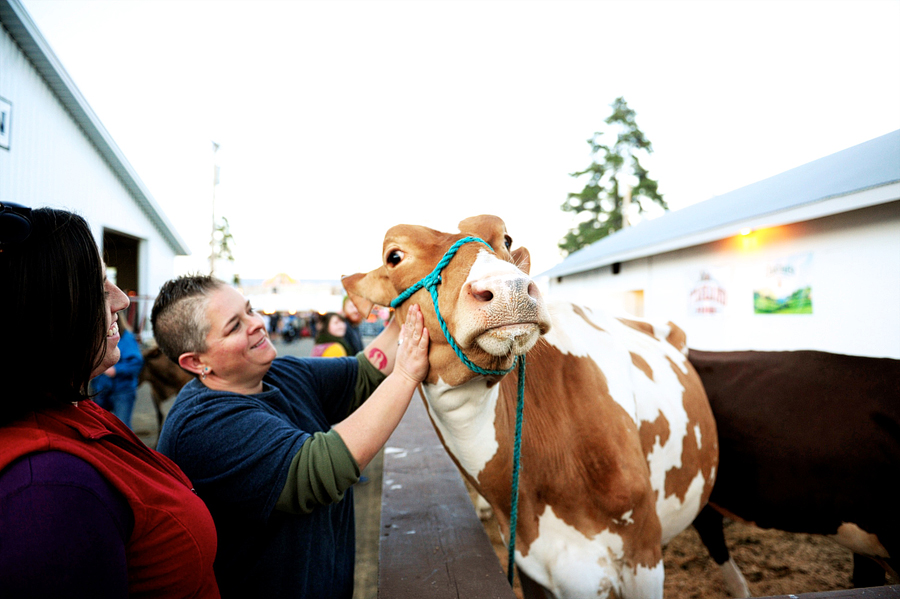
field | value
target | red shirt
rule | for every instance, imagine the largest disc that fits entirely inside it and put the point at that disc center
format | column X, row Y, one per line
column 172, row 547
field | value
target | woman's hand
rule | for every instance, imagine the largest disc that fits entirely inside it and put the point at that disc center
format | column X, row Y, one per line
column 412, row 350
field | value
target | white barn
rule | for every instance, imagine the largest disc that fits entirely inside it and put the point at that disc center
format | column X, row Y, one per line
column 807, row 259
column 54, row 152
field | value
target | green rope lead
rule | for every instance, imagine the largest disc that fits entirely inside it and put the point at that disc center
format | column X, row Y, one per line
column 517, row 455
column 430, row 282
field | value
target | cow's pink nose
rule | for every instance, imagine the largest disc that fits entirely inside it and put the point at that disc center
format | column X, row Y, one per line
column 485, row 290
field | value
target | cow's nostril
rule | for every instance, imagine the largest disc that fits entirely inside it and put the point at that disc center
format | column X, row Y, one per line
column 483, row 296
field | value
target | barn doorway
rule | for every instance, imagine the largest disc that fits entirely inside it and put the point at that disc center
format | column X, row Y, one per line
column 121, row 253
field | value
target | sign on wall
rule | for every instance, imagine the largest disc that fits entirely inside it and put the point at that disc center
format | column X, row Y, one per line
column 785, row 287
column 5, row 122
column 708, row 295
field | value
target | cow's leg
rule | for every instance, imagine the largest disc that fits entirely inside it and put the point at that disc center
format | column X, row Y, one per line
column 709, row 525
column 531, row 589
column 157, row 403
column 866, row 572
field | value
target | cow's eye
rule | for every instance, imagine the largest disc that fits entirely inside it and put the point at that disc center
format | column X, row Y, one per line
column 508, row 241
column 394, row 257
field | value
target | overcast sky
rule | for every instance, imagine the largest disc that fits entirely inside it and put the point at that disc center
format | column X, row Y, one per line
column 337, row 120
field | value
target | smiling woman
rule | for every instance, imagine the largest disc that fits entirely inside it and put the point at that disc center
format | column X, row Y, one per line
column 238, row 352
column 274, row 445
column 86, row 510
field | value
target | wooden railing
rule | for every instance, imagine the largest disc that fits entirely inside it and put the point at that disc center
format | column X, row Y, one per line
column 432, row 543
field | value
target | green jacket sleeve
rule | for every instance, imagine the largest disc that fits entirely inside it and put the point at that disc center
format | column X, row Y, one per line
column 367, row 381
column 324, row 468
column 319, row 474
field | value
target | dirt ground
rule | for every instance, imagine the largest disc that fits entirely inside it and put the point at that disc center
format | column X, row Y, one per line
column 773, row 562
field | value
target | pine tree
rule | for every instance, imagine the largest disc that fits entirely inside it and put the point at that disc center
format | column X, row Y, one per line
column 222, row 241
column 617, row 179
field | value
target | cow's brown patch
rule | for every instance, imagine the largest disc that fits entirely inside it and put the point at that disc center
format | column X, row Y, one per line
column 641, row 364
column 642, row 327
column 581, row 456
column 677, row 337
column 651, row 431
column 580, row 312
column 697, row 455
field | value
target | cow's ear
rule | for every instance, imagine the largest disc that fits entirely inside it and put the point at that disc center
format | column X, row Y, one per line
column 367, row 290
column 522, row 259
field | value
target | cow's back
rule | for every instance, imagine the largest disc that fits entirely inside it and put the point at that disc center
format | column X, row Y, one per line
column 808, row 440
column 608, row 369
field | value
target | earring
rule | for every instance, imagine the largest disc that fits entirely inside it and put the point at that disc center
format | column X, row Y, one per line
column 203, row 374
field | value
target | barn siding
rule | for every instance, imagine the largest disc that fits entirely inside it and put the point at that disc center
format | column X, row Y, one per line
column 855, row 285
column 51, row 162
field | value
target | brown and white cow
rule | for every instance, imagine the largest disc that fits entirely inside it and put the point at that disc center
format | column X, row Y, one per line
column 809, row 442
column 619, row 447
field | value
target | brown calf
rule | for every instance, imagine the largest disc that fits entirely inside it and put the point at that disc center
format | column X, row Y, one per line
column 165, row 377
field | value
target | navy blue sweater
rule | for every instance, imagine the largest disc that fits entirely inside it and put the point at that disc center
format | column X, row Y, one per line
column 237, row 449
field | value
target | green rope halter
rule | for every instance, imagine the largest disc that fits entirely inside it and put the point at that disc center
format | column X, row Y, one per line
column 430, row 282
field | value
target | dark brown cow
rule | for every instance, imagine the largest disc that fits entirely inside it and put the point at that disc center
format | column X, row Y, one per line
column 808, row 442
column 166, row 379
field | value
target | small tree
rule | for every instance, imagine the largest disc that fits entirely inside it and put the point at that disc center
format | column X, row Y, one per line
column 222, row 242
column 617, row 180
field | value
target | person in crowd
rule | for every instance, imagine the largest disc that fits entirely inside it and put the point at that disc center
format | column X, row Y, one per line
column 331, row 341
column 86, row 509
column 275, row 325
column 274, row 444
column 116, row 388
column 353, row 319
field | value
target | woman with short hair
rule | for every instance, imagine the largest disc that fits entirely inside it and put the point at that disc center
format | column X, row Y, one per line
column 274, row 445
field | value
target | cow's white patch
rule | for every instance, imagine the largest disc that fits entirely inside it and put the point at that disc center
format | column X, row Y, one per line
column 464, row 415
column 487, row 265
column 626, row 519
column 676, row 515
column 569, row 564
column 570, row 334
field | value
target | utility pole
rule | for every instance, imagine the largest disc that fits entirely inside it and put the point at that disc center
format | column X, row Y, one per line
column 212, row 232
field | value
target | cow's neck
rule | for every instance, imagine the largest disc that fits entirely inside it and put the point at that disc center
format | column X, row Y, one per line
column 465, row 418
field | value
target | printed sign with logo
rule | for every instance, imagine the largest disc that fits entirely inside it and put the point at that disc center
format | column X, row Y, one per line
column 785, row 287
column 708, row 295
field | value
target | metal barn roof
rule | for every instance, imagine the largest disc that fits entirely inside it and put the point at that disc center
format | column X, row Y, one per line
column 22, row 29
column 808, row 191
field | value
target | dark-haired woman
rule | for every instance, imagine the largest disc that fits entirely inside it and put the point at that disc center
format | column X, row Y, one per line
column 331, row 342
column 86, row 509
